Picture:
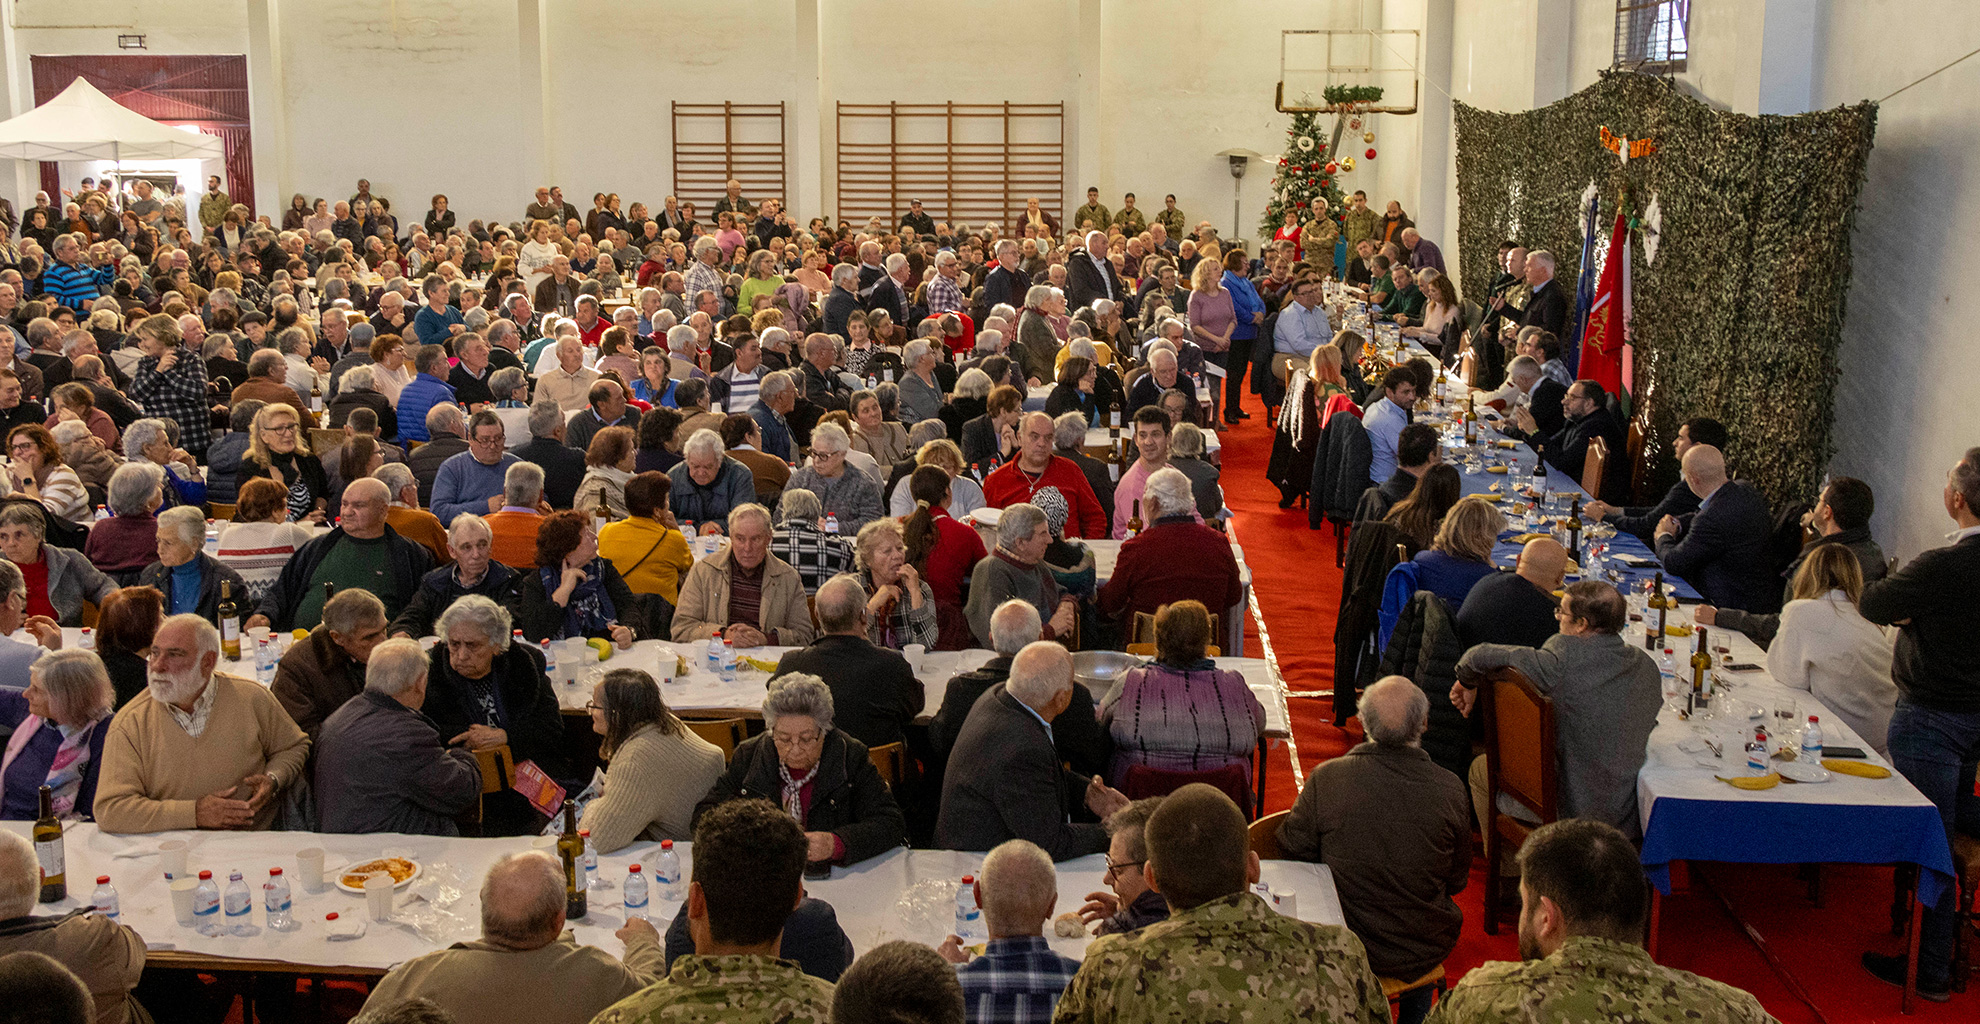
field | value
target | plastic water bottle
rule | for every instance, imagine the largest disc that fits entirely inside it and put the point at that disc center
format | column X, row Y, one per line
column 240, row 906
column 714, row 655
column 275, row 897
column 102, row 512
column 206, row 907
column 728, row 667
column 831, row 524
column 1811, row 741
column 264, row 663
column 668, row 873
column 969, row 916
column 104, row 899
column 1668, row 673
column 1756, row 754
column 88, row 641
column 635, row 893
column 590, row 859
column 212, row 538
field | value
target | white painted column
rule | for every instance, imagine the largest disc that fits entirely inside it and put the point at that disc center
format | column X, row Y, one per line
column 1788, row 46
column 532, row 85
column 1553, row 46
column 1084, row 115
column 1437, row 148
column 268, row 112
column 806, row 120
column 16, row 97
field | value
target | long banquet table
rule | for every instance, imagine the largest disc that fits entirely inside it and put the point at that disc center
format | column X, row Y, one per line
column 1686, row 812
column 902, row 894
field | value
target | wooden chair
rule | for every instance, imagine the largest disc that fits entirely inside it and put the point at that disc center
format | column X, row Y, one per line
column 323, row 440
column 1966, row 868
column 1393, row 988
column 1635, row 442
column 219, row 510
column 1264, row 835
column 1147, row 650
column 891, row 760
column 1520, row 763
column 1594, row 466
column 727, row 733
column 89, row 613
column 498, row 772
column 1143, row 630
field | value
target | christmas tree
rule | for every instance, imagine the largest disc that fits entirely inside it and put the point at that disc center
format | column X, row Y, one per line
column 1306, row 173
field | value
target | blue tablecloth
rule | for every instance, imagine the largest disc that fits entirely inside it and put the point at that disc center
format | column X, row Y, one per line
column 1748, row 832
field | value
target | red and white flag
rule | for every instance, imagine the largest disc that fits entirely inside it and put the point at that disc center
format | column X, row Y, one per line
column 1605, row 337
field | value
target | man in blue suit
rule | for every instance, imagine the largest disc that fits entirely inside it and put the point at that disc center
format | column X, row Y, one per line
column 1721, row 548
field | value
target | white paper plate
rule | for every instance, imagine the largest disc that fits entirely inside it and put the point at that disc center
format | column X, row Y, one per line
column 986, row 516
column 1800, row 772
column 359, row 890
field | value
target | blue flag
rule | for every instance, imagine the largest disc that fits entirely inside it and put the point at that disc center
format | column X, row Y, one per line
column 1584, row 286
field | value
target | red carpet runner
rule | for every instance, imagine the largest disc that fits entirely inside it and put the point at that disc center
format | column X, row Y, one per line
column 1297, row 587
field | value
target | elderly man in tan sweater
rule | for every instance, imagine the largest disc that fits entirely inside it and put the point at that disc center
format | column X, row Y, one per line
column 526, row 966
column 196, row 749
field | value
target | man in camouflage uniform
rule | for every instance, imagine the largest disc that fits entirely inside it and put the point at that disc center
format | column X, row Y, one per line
column 1223, row 954
column 1171, row 219
column 1093, row 211
column 748, row 862
column 1359, row 221
column 1583, row 902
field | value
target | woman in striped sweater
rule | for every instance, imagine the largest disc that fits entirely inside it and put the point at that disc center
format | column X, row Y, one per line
column 658, row 769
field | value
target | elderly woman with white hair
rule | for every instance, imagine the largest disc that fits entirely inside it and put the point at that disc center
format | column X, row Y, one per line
column 122, row 545
column 921, row 393
column 149, row 441
column 358, row 389
column 900, row 605
column 1017, row 570
column 1186, row 447
column 483, row 691
column 819, row 775
column 847, row 494
column 474, row 571
column 189, row 578
column 58, row 724
column 1035, row 333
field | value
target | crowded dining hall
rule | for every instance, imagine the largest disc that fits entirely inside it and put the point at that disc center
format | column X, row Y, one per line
column 1477, row 549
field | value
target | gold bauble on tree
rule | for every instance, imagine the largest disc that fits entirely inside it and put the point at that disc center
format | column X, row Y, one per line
column 1368, row 136
column 1347, row 164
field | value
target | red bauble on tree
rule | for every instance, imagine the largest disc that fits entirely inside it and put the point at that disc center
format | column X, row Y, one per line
column 1371, row 153
column 1332, row 167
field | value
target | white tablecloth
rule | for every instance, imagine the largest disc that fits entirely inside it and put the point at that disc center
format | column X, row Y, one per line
column 867, row 897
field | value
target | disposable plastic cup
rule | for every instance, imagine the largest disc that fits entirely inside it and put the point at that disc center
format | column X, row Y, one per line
column 1288, row 903
column 378, row 890
column 258, row 634
column 913, row 653
column 183, row 890
column 309, row 867
column 172, row 857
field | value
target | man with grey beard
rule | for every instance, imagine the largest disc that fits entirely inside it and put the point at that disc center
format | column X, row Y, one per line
column 196, row 749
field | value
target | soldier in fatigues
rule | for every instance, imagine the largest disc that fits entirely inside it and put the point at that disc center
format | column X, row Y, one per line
column 1171, row 218
column 1582, row 963
column 1093, row 211
column 1129, row 219
column 748, row 861
column 1359, row 221
column 1223, row 954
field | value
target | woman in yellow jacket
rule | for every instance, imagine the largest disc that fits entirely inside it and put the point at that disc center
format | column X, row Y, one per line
column 647, row 547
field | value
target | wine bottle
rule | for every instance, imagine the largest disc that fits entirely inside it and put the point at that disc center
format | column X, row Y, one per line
column 570, row 850
column 1661, row 603
column 1134, row 521
column 1471, row 423
column 1114, row 418
column 230, row 622
column 316, row 398
column 1574, row 530
column 48, row 850
column 1701, row 670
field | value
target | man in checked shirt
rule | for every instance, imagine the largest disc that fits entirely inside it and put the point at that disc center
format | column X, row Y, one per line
column 1018, row 979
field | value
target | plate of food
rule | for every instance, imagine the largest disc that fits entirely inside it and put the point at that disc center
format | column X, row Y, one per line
column 403, row 870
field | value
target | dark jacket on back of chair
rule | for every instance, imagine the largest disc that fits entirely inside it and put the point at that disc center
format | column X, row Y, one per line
column 1076, row 733
column 1371, row 552
column 848, row 798
column 1425, row 649
column 1340, row 471
column 875, row 695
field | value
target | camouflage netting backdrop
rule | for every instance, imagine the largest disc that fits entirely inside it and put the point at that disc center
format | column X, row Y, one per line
column 1741, row 314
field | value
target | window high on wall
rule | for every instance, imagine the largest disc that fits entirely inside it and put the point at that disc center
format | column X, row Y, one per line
column 1651, row 34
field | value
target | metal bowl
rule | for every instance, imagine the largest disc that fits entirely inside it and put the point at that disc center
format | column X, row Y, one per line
column 1098, row 671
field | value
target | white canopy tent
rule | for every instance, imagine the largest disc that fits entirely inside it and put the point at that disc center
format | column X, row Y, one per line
column 83, row 124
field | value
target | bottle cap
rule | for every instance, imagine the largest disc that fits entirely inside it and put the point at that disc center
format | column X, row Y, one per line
column 272, row 872
column 969, row 879
column 331, row 916
column 205, row 875
column 102, row 879
column 633, row 869
column 1812, row 719
column 585, row 832
column 666, row 844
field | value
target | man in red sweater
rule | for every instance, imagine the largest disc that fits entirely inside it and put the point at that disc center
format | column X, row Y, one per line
column 1037, row 468
column 1174, row 559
